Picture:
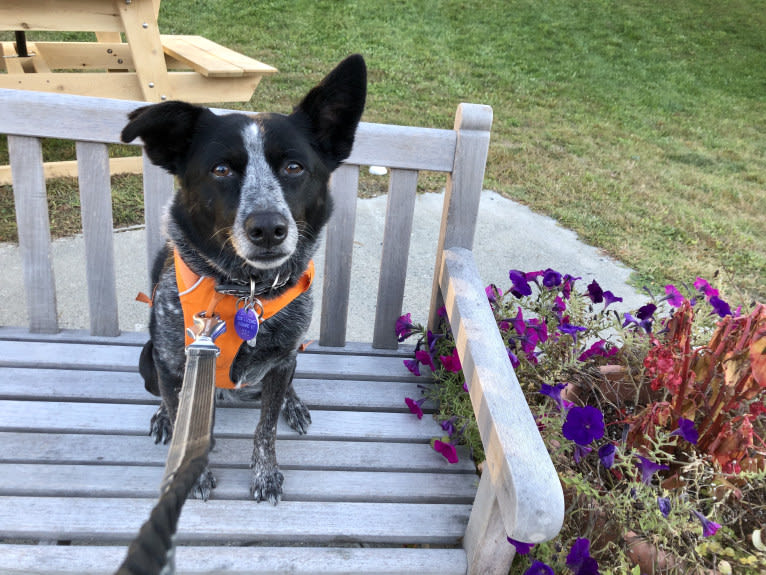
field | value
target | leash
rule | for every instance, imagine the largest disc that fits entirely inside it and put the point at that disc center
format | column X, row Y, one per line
column 152, row 552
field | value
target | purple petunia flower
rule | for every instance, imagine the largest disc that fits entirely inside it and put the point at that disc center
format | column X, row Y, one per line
column 446, row 449
column 719, row 306
column 595, row 293
column 610, row 298
column 570, row 329
column 493, row 292
column 664, row 504
column 521, row 547
column 687, row 430
column 583, row 425
column 539, row 568
column 580, row 451
column 702, row 285
column 673, row 296
column 579, row 559
column 404, row 327
column 551, row 278
column 567, row 285
column 554, row 392
column 512, row 356
column 646, row 311
column 425, row 358
column 413, row 366
column 448, row 425
column 597, row 349
column 415, row 406
column 709, row 528
column 559, row 306
column 521, row 286
column 451, row 362
column 606, row 454
column 648, row 468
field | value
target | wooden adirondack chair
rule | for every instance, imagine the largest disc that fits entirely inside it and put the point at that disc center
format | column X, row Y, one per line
column 364, row 492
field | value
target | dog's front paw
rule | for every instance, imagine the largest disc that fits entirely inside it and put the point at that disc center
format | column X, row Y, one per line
column 296, row 413
column 161, row 428
column 204, row 486
column 266, row 484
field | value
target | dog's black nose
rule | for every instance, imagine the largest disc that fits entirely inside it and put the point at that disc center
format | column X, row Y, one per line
column 266, row 229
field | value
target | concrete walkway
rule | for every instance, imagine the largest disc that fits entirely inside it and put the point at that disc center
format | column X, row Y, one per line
column 509, row 236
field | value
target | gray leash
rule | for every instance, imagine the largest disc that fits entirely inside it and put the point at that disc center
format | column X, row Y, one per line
column 152, row 552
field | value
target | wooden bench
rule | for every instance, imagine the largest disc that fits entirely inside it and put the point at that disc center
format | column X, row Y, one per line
column 364, row 492
column 147, row 65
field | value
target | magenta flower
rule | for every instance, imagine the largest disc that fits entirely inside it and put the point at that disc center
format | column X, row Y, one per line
column 539, row 568
column 559, row 306
column 493, row 292
column 415, row 406
column 673, row 296
column 648, row 468
column 425, row 358
column 709, row 528
column 451, row 362
column 597, row 349
column 583, row 425
column 687, row 430
column 664, row 504
column 404, row 327
column 567, row 284
column 539, row 327
column 512, row 356
column 413, row 366
column 606, row 454
column 579, row 559
column 521, row 286
column 521, row 548
column 702, row 285
column 719, row 306
column 446, row 449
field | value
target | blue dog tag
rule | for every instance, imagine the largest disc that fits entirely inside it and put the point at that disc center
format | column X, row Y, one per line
column 246, row 323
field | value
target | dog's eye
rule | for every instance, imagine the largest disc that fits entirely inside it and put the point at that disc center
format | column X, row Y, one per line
column 221, row 170
column 293, row 169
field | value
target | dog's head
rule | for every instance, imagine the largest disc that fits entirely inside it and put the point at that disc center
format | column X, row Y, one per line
column 253, row 188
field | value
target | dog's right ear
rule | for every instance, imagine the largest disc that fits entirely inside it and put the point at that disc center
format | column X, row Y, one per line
column 166, row 130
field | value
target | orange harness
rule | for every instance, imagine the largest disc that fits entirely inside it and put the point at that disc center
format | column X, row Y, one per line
column 198, row 294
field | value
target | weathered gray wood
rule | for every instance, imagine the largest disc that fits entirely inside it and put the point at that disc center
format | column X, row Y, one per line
column 97, row 227
column 400, row 208
column 231, row 522
column 487, row 548
column 463, row 192
column 33, row 226
column 70, row 417
column 57, row 355
column 339, row 246
column 54, row 560
column 523, row 477
column 110, row 386
column 26, row 480
column 83, row 449
column 158, row 190
column 102, row 120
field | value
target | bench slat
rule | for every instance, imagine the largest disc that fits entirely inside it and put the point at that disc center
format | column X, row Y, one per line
column 300, row 485
column 97, row 227
column 67, row 417
column 80, row 449
column 400, row 209
column 186, row 50
column 54, row 560
column 229, row 522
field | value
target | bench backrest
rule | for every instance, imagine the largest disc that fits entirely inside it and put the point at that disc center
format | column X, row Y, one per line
column 93, row 123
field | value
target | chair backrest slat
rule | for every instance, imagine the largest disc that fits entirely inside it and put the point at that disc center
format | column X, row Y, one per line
column 30, row 198
column 97, row 228
column 400, row 208
column 158, row 190
column 339, row 244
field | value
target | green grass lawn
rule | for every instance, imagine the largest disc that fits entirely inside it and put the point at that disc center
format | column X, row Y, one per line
column 640, row 125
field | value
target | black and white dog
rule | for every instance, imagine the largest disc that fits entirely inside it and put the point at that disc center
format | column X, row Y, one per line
column 252, row 201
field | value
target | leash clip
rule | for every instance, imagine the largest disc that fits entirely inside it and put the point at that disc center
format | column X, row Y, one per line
column 205, row 331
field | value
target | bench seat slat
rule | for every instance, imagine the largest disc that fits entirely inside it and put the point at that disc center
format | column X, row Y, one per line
column 118, row 520
column 54, row 560
column 69, row 417
column 300, row 485
column 75, row 449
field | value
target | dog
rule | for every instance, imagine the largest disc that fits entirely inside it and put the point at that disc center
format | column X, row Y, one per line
column 252, row 200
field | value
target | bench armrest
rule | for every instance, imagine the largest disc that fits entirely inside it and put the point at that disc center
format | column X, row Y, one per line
column 521, row 472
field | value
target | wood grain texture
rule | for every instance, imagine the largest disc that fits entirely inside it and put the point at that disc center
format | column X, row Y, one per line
column 97, row 228
column 159, row 187
column 517, row 462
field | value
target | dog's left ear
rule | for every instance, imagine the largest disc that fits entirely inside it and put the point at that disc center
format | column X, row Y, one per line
column 333, row 109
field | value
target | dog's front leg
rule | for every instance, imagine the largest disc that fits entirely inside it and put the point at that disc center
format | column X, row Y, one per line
column 266, row 481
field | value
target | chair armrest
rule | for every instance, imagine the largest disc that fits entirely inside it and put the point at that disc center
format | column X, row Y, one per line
column 525, row 482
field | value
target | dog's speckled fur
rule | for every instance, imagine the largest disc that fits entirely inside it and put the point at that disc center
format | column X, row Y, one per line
column 252, row 201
